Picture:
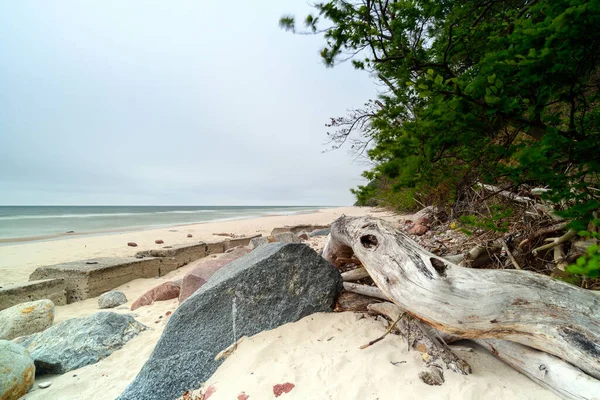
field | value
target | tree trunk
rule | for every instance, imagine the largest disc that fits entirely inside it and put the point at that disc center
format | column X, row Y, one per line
column 520, row 306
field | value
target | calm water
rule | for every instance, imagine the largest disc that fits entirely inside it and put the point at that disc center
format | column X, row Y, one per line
column 22, row 222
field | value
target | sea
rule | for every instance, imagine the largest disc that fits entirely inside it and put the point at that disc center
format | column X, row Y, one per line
column 22, row 223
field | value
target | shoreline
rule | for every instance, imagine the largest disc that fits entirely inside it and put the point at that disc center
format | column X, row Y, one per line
column 19, row 260
column 64, row 235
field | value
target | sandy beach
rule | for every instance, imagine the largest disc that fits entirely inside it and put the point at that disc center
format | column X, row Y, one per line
column 319, row 354
column 18, row 261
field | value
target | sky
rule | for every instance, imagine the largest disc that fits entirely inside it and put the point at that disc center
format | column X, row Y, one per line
column 197, row 102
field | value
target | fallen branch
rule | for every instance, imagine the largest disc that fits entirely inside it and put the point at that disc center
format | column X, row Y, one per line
column 365, row 290
column 555, row 242
column 422, row 338
column 510, row 255
column 505, row 193
column 355, row 275
column 520, row 306
column 544, row 231
column 387, row 332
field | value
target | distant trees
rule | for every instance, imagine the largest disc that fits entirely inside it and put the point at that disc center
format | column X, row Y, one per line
column 501, row 92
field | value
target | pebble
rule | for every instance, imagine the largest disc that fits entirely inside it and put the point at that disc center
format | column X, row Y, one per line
column 44, row 385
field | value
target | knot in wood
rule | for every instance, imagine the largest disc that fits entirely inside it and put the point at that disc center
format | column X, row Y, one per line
column 369, row 241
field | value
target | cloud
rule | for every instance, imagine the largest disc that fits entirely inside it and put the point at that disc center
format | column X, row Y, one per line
column 169, row 103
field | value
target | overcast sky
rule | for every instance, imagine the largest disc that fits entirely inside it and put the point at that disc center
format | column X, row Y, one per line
column 169, row 103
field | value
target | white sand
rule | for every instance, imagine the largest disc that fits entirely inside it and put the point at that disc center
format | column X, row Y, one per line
column 18, row 261
column 318, row 354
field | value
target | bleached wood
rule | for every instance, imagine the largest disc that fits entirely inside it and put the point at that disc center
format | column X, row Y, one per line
column 422, row 338
column 365, row 290
column 505, row 193
column 520, row 306
column 355, row 275
column 548, row 371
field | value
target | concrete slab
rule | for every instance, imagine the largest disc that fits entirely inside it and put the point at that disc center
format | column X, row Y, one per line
column 90, row 278
column 16, row 293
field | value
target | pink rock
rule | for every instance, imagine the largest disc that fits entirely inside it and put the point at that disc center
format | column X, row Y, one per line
column 165, row 291
column 303, row 236
column 204, row 268
column 418, row 230
column 159, row 241
column 243, row 396
column 132, row 244
column 425, row 221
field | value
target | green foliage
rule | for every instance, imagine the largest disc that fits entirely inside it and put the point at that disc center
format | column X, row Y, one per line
column 497, row 221
column 589, row 264
column 496, row 91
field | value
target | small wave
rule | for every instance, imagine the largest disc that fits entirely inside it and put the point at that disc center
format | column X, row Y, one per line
column 105, row 215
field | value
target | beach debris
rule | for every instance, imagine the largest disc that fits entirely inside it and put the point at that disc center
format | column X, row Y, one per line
column 132, row 244
column 172, row 230
column 280, row 389
column 70, row 232
column 111, row 299
column 243, row 396
column 159, row 241
column 18, row 370
column 26, row 318
column 164, row 291
column 78, row 342
column 223, row 234
column 44, row 385
column 189, row 235
column 91, row 262
column 274, row 284
column 432, row 376
column 229, row 351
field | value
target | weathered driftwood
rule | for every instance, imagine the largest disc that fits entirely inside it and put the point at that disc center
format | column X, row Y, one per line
column 355, row 274
column 548, row 371
column 505, row 193
column 365, row 290
column 349, row 301
column 520, row 306
column 422, row 338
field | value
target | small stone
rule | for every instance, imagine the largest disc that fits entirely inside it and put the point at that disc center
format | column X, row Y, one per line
column 189, row 235
column 132, row 244
column 111, row 299
column 46, row 384
column 159, row 241
column 303, row 236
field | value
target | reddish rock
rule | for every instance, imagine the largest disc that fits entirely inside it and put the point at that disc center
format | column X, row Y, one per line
column 243, row 396
column 278, row 390
column 168, row 313
column 132, row 244
column 204, row 269
column 303, row 236
column 425, row 221
column 209, row 392
column 418, row 230
column 165, row 291
column 159, row 241
column 189, row 235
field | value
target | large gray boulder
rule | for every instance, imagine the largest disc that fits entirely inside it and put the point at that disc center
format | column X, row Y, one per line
column 78, row 342
column 17, row 371
column 26, row 318
column 112, row 299
column 273, row 285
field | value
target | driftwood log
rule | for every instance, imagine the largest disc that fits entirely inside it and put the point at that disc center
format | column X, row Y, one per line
column 548, row 371
column 534, row 310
